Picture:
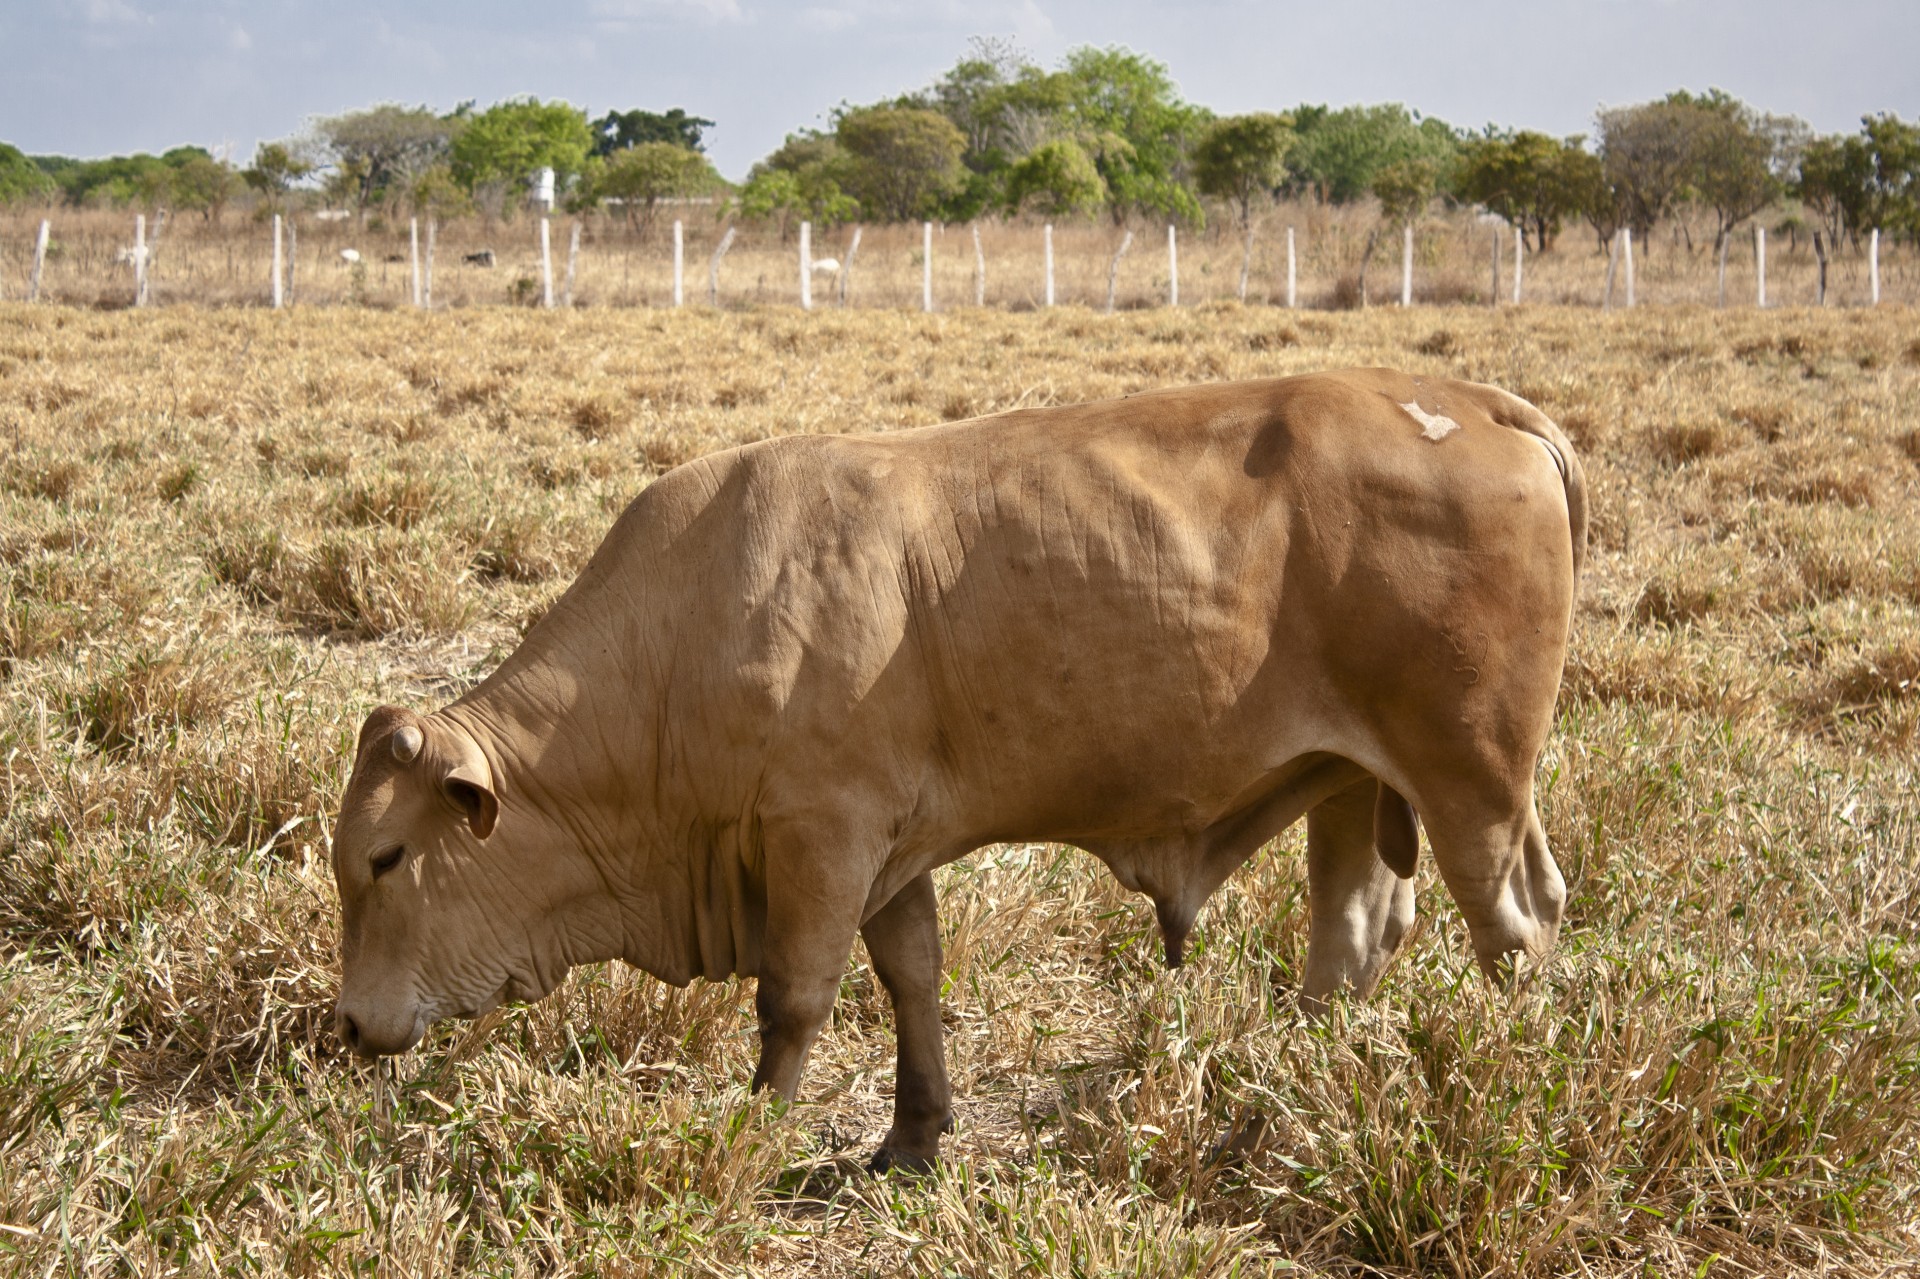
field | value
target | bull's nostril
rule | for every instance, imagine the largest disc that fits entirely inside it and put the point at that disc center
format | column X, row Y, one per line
column 350, row 1031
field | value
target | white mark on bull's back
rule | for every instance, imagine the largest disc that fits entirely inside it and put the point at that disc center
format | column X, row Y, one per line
column 1438, row 426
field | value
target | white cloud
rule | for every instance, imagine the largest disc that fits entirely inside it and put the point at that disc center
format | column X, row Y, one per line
column 828, row 19
column 624, row 11
column 238, row 40
column 108, row 13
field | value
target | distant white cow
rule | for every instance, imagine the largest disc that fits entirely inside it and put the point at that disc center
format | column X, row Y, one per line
column 130, row 255
column 826, row 266
column 350, row 256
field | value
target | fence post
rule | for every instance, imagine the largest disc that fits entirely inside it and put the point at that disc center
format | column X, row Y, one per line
column 1760, row 265
column 807, row 265
column 426, row 288
column 1873, row 263
column 926, row 266
column 979, row 269
column 1406, row 266
column 679, row 261
column 846, row 265
column 1049, row 244
column 713, row 267
column 279, row 277
column 1493, row 289
column 1726, row 242
column 1113, row 271
column 1173, row 268
column 1293, row 279
column 413, row 257
column 573, row 256
column 1626, row 258
column 139, row 259
column 546, row 261
column 46, row 228
column 1519, row 255
column 1613, row 261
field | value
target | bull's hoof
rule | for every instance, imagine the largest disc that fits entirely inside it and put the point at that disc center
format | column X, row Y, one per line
column 888, row 1159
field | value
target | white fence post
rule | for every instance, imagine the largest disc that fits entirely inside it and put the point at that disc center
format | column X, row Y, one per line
column 413, row 257
column 1406, row 267
column 926, row 266
column 1293, row 278
column 40, row 259
column 1873, row 262
column 139, row 259
column 846, row 266
column 713, row 267
column 1113, row 271
column 426, row 277
column 1519, row 255
column 546, row 261
column 278, row 269
column 1049, row 244
column 1626, row 255
column 806, row 266
column 573, row 257
column 979, row 269
column 1173, row 268
column 679, row 262
column 1760, row 265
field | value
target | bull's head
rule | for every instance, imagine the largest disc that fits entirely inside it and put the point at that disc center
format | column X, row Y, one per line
column 433, row 925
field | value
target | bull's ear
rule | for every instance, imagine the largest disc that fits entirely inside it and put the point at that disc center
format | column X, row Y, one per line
column 473, row 796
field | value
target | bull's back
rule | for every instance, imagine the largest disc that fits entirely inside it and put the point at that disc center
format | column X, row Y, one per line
column 1114, row 617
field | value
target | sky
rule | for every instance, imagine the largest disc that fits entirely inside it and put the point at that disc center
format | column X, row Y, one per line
column 104, row 77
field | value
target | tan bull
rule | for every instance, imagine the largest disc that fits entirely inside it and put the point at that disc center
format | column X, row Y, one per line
column 800, row 675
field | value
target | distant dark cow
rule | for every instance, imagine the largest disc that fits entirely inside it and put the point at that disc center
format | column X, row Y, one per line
column 798, row 676
column 483, row 258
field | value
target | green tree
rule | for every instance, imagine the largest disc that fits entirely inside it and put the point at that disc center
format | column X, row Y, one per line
column 1339, row 153
column 1648, row 155
column 1057, row 179
column 511, row 141
column 21, row 179
column 645, row 174
column 1741, row 158
column 1893, row 192
column 620, row 130
column 202, row 184
column 375, row 154
column 1533, row 181
column 274, row 170
column 1241, row 159
column 1125, row 111
column 801, row 178
column 903, row 162
column 1834, row 182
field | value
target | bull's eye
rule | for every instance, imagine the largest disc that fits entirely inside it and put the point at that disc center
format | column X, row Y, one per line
column 384, row 862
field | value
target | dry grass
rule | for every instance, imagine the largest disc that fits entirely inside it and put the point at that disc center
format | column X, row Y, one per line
column 226, row 535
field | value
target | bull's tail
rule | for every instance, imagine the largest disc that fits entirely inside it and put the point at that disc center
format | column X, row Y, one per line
column 1510, row 410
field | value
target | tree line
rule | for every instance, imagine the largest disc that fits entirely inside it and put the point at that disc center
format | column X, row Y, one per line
column 1104, row 134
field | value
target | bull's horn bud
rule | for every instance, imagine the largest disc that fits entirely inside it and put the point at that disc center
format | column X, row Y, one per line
column 407, row 740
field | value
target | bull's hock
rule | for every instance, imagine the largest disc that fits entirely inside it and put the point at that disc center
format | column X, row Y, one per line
column 798, row 676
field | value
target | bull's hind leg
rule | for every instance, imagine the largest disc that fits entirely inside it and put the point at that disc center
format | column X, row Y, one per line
column 1361, row 910
column 1502, row 876
column 903, row 938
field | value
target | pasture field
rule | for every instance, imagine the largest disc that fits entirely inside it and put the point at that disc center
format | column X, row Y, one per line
column 226, row 535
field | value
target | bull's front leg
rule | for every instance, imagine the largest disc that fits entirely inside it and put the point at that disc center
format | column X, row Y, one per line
column 813, row 912
column 903, row 938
